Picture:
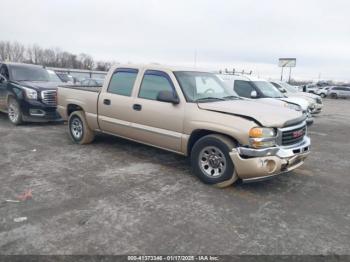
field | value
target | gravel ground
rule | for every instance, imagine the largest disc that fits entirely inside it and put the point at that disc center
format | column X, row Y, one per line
column 119, row 197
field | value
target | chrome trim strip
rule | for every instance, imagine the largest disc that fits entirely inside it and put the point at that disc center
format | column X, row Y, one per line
column 155, row 130
column 158, row 131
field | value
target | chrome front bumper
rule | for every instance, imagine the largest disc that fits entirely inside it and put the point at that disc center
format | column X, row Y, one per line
column 259, row 164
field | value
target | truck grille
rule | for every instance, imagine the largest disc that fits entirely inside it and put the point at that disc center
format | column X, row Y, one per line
column 293, row 136
column 49, row 97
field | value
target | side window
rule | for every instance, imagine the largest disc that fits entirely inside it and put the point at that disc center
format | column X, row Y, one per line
column 243, row 88
column 153, row 82
column 122, row 82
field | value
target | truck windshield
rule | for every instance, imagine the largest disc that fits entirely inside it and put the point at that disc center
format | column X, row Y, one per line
column 203, row 87
column 29, row 73
column 288, row 87
column 268, row 89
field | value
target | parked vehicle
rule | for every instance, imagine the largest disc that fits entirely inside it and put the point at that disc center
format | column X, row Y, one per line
column 26, row 93
column 54, row 77
column 315, row 101
column 263, row 91
column 191, row 113
column 92, row 82
column 323, row 92
column 66, row 78
column 339, row 91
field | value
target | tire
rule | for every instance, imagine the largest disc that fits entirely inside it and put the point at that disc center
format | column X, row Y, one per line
column 323, row 95
column 334, row 95
column 14, row 112
column 79, row 130
column 211, row 162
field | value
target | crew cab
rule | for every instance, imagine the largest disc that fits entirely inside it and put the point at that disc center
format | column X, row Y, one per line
column 191, row 113
column 27, row 94
column 259, row 89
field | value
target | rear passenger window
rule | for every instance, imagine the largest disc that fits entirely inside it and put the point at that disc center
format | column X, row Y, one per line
column 243, row 88
column 122, row 82
column 153, row 82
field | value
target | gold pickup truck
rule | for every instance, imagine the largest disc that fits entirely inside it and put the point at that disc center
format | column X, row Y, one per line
column 191, row 113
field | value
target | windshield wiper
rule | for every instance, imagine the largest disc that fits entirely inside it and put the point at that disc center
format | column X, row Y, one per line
column 209, row 98
column 231, row 97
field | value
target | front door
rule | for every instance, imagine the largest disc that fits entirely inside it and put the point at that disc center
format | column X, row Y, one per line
column 158, row 123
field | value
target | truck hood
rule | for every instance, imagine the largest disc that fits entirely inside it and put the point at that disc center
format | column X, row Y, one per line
column 261, row 113
column 304, row 104
column 39, row 85
column 302, row 95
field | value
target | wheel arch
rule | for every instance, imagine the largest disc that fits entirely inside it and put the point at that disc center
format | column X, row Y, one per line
column 72, row 107
column 199, row 133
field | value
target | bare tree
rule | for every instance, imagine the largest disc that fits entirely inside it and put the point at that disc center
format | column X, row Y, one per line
column 54, row 57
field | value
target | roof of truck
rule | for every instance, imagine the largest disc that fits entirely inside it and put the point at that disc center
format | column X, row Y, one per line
column 228, row 77
column 159, row 67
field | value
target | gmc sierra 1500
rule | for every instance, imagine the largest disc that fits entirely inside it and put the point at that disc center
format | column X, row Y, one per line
column 192, row 113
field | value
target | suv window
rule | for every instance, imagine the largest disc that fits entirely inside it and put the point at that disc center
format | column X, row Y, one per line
column 153, row 82
column 122, row 81
column 243, row 88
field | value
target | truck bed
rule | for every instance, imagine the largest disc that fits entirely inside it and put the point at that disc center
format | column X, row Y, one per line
column 84, row 88
column 84, row 97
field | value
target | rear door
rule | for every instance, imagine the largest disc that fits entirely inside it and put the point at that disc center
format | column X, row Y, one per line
column 346, row 91
column 115, row 112
column 158, row 123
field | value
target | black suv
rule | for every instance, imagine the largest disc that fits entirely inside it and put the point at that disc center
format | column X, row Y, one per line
column 27, row 94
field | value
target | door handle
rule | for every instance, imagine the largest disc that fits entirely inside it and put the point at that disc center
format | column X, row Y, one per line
column 107, row 102
column 137, row 107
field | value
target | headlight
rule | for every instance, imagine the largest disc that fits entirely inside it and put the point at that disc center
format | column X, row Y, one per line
column 260, row 137
column 293, row 106
column 30, row 93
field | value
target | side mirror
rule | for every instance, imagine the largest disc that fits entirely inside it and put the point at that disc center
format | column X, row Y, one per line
column 168, row 96
column 253, row 94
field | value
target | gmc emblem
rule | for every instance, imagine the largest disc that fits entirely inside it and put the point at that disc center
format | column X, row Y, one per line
column 298, row 133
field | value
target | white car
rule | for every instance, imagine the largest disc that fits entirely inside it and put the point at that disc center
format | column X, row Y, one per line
column 265, row 92
column 339, row 91
column 323, row 92
column 315, row 101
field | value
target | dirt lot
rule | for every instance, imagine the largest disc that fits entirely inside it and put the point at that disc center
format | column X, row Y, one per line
column 119, row 197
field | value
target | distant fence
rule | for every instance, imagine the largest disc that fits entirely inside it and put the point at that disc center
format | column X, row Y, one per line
column 80, row 73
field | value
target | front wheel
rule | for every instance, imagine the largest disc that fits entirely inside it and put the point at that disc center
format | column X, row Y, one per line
column 79, row 130
column 334, row 95
column 14, row 112
column 323, row 95
column 211, row 162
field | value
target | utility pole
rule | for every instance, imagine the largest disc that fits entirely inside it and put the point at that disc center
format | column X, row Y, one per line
column 282, row 73
column 290, row 73
column 195, row 58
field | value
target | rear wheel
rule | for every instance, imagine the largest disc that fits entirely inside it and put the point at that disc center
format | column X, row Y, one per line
column 323, row 95
column 211, row 162
column 79, row 131
column 14, row 112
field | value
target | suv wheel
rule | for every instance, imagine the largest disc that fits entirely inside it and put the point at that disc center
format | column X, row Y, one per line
column 14, row 112
column 78, row 129
column 334, row 95
column 211, row 162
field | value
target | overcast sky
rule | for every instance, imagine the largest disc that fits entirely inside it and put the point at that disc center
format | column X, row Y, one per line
column 245, row 34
